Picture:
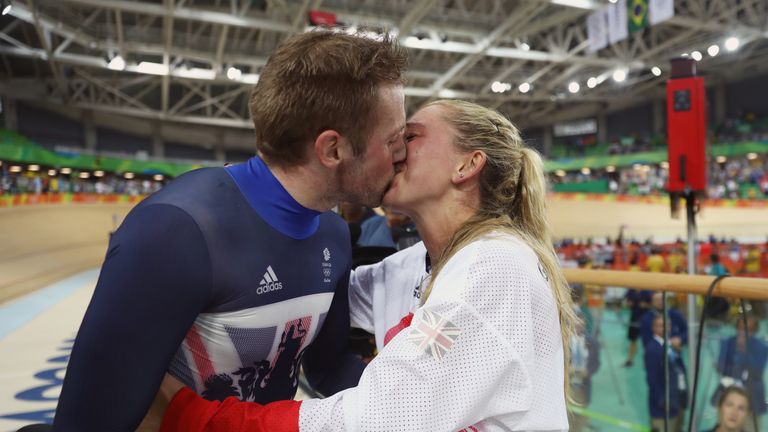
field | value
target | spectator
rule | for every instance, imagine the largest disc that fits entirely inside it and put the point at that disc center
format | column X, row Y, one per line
column 717, row 306
column 744, row 363
column 402, row 228
column 654, row 373
column 585, row 361
column 372, row 228
column 732, row 410
column 678, row 327
column 638, row 303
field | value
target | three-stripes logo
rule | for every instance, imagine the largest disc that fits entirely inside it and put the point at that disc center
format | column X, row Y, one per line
column 269, row 282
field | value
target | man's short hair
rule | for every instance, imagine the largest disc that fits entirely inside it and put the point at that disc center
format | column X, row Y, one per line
column 317, row 81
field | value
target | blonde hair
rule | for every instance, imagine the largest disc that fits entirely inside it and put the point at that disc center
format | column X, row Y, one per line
column 512, row 198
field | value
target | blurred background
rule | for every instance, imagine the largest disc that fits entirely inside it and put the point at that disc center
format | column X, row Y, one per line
column 103, row 102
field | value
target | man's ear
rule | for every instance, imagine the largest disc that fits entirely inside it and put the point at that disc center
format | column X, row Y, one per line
column 329, row 148
column 469, row 166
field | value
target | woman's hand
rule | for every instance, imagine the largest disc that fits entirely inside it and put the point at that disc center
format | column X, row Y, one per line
column 154, row 417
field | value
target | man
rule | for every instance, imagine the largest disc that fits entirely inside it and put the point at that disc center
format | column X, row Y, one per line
column 226, row 276
column 654, row 375
column 678, row 327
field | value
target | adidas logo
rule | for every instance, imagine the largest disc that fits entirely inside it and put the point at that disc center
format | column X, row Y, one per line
column 269, row 282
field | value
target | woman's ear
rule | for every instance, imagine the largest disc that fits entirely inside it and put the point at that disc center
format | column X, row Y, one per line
column 470, row 165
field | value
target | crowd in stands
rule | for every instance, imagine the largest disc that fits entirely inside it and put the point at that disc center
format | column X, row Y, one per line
column 747, row 127
column 41, row 182
column 734, row 257
column 742, row 177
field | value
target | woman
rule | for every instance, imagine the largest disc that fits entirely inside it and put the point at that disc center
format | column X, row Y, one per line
column 486, row 345
column 732, row 410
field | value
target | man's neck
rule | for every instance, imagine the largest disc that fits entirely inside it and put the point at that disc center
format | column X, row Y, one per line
column 301, row 182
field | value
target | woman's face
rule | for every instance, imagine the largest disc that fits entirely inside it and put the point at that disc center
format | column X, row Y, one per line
column 733, row 411
column 431, row 162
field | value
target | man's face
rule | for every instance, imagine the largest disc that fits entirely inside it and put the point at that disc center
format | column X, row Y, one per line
column 658, row 327
column 365, row 178
column 658, row 301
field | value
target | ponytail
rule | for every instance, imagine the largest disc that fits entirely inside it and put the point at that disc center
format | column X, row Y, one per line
column 529, row 217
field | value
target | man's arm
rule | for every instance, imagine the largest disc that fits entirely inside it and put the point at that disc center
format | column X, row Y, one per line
column 156, row 278
column 329, row 365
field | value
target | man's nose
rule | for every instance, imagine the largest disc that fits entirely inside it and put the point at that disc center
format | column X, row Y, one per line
column 399, row 151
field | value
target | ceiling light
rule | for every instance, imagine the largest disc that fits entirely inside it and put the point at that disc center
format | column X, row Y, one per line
column 525, row 47
column 84, row 175
column 560, row 173
column 34, row 168
column 195, row 73
column 117, row 63
column 7, row 8
column 497, row 87
column 751, row 156
column 592, row 82
column 656, row 70
column 158, row 177
column 524, row 87
column 664, row 164
column 52, row 172
column 732, row 43
column 15, row 169
column 720, row 159
column 619, row 75
column 586, row 170
column 129, row 175
column 152, row 68
column 447, row 94
column 573, row 87
column 98, row 173
column 610, row 168
column 249, row 78
column 234, row 73
column 685, row 55
column 713, row 50
column 66, row 170
column 696, row 55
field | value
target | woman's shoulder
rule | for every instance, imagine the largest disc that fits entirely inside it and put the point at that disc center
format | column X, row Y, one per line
column 496, row 259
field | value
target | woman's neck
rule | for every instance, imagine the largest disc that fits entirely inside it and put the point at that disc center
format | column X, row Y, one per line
column 437, row 224
column 721, row 428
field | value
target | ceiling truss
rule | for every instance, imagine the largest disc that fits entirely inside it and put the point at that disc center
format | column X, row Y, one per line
column 59, row 51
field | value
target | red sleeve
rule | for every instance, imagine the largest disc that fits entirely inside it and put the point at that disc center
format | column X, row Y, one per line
column 188, row 412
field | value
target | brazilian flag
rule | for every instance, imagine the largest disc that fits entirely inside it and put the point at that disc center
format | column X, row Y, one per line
column 637, row 11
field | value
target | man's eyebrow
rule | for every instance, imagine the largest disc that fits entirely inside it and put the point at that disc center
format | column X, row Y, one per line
column 411, row 124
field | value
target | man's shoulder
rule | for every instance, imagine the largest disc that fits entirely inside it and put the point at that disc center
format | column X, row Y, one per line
column 203, row 194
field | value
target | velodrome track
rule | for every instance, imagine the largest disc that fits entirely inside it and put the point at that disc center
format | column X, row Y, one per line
column 50, row 256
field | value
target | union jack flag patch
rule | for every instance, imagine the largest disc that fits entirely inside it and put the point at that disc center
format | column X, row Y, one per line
column 434, row 334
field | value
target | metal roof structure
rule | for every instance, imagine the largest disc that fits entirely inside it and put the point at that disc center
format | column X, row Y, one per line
column 195, row 61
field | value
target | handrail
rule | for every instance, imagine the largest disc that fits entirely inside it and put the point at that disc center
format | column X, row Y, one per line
column 735, row 287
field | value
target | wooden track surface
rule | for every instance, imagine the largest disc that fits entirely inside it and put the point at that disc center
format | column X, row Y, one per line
column 43, row 244
column 583, row 219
